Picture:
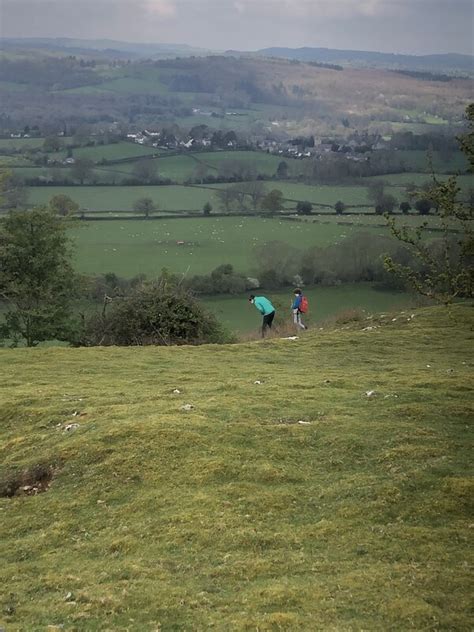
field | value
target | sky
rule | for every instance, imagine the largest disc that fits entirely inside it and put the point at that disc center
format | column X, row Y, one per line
column 400, row 26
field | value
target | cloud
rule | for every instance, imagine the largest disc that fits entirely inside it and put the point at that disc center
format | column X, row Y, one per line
column 312, row 8
column 163, row 8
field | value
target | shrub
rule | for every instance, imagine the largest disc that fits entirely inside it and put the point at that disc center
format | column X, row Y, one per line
column 304, row 208
column 339, row 207
column 160, row 313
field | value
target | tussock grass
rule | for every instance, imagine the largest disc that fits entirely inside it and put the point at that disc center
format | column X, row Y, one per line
column 234, row 516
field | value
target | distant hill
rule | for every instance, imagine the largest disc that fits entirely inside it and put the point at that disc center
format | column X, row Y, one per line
column 103, row 47
column 449, row 62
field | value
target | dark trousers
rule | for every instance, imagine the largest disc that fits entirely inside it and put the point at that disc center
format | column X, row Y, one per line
column 267, row 322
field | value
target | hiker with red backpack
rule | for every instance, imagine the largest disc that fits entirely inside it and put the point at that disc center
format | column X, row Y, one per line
column 299, row 306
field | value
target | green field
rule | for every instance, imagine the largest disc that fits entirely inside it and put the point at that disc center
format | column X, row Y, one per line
column 117, row 198
column 238, row 315
column 418, row 160
column 176, row 168
column 138, row 246
column 234, row 515
column 319, row 194
column 260, row 161
column 183, row 167
column 114, row 151
column 465, row 182
column 22, row 144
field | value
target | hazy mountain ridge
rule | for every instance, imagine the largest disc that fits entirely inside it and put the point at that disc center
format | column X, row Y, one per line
column 446, row 62
column 103, row 46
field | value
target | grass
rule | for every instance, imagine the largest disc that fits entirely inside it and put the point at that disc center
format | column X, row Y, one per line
column 238, row 316
column 137, row 246
column 233, row 516
column 183, row 167
column 21, row 143
column 394, row 180
column 419, row 160
column 117, row 198
column 114, row 151
column 324, row 194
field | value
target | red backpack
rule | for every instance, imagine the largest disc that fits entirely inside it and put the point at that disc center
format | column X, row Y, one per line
column 304, row 306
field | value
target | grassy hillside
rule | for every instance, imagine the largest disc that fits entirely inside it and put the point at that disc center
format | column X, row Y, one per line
column 235, row 516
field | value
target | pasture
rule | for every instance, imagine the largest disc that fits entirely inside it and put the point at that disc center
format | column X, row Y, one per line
column 325, row 194
column 234, row 515
column 140, row 246
column 120, row 198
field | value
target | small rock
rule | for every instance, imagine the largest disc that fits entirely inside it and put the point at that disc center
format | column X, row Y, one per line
column 70, row 427
column 75, row 413
column 290, row 338
column 369, row 328
column 187, row 407
column 394, row 320
column 258, row 382
column 176, row 391
column 450, row 371
column 69, row 597
column 304, row 423
column 370, row 393
column 327, row 382
column 428, row 366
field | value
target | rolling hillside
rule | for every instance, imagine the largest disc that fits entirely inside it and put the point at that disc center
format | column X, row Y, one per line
column 288, row 497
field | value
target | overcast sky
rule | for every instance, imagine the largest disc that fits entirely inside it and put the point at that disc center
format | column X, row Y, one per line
column 406, row 26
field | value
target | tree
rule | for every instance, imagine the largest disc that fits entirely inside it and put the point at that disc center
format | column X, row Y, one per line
column 339, row 207
column 200, row 172
column 82, row 169
column 272, row 202
column 145, row 206
column 405, row 207
column 467, row 141
column 444, row 269
column 423, row 206
column 13, row 190
column 385, row 204
column 36, row 277
column 63, row 205
column 145, row 170
column 52, row 143
column 255, row 190
column 207, row 208
column 232, row 198
column 304, row 208
column 375, row 191
column 282, row 170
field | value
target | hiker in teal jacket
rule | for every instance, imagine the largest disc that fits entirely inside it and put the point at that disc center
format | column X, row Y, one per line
column 265, row 308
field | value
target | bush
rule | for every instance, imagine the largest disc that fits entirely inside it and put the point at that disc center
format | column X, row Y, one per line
column 160, row 313
column 304, row 208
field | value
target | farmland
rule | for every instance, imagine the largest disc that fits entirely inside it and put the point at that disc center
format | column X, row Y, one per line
column 139, row 246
